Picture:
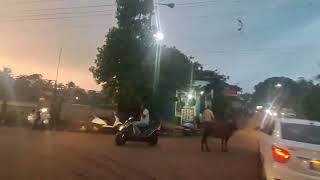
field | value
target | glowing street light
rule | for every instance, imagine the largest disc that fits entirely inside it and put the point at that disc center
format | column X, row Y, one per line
column 158, row 36
column 190, row 96
column 77, row 98
column 279, row 85
column 201, row 92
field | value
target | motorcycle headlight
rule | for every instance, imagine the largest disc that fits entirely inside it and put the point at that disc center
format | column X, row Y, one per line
column 44, row 110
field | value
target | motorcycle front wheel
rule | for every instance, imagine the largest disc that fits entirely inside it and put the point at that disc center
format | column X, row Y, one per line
column 153, row 139
column 120, row 139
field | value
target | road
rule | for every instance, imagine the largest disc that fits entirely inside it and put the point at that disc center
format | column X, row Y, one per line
column 33, row 155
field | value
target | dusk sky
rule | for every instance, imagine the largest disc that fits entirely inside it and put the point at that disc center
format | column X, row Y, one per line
column 279, row 37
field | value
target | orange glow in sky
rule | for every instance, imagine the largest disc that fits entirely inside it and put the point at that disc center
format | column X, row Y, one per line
column 32, row 46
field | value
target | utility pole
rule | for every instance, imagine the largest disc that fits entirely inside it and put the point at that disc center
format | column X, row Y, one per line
column 54, row 109
column 58, row 67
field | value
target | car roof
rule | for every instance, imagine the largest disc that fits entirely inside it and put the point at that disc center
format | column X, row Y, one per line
column 299, row 121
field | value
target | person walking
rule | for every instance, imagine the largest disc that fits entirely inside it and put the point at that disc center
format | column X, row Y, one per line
column 208, row 120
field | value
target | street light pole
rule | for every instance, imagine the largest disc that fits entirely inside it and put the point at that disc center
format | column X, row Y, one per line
column 159, row 38
column 53, row 107
column 58, row 67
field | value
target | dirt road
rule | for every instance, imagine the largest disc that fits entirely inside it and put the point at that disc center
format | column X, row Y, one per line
column 26, row 154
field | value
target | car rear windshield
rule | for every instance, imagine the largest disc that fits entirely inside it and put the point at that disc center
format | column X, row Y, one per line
column 301, row 133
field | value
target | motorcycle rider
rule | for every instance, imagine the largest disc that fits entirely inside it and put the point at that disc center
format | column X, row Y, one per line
column 144, row 117
column 37, row 118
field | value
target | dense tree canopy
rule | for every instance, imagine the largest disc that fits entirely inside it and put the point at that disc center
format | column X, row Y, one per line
column 6, row 84
column 301, row 95
column 311, row 105
column 289, row 95
column 125, row 63
column 122, row 63
column 31, row 88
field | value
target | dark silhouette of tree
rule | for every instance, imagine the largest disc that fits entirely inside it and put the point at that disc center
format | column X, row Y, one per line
column 122, row 65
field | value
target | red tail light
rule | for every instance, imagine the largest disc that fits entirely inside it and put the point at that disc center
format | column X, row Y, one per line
column 280, row 155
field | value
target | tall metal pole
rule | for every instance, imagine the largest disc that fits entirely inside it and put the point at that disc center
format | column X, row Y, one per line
column 191, row 77
column 53, row 108
column 58, row 67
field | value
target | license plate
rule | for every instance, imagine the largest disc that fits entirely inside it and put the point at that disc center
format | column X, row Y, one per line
column 315, row 165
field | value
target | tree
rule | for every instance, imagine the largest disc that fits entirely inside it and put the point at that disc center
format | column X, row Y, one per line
column 6, row 84
column 31, row 87
column 221, row 104
column 298, row 95
column 289, row 95
column 121, row 64
column 311, row 105
column 175, row 70
column 98, row 99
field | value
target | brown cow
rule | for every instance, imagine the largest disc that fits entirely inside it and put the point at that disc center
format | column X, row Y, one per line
column 222, row 130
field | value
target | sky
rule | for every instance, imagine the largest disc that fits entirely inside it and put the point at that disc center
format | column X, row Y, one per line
column 278, row 37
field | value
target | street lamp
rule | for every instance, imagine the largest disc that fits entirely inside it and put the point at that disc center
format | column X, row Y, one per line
column 77, row 98
column 158, row 36
column 170, row 5
column 279, row 85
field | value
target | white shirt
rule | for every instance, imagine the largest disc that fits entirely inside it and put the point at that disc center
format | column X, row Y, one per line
column 208, row 115
column 145, row 117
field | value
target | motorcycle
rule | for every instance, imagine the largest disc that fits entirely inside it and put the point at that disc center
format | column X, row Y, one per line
column 102, row 124
column 189, row 129
column 131, row 132
column 44, row 119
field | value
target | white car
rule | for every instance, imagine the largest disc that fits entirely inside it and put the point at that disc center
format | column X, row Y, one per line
column 290, row 149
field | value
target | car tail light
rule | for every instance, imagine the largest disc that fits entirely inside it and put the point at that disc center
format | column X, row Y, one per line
column 280, row 155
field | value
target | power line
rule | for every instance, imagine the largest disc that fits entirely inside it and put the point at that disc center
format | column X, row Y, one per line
column 55, row 18
column 61, row 13
column 189, row 4
column 195, row 2
column 74, row 7
column 36, row 1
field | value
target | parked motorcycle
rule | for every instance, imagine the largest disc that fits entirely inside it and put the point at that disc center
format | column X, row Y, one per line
column 189, row 129
column 102, row 124
column 130, row 132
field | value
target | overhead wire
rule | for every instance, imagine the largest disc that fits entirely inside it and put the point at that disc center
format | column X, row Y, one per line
column 76, row 14
column 55, row 18
column 60, row 13
column 35, row 1
column 73, row 7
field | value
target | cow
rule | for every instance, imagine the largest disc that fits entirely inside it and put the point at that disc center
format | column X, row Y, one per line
column 222, row 130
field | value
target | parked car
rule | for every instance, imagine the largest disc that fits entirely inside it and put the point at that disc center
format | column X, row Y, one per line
column 289, row 113
column 290, row 149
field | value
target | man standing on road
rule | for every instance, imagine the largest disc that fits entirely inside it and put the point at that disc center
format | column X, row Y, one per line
column 208, row 116
column 208, row 120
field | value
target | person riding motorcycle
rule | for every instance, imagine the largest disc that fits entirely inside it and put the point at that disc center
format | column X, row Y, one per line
column 144, row 118
column 37, row 118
